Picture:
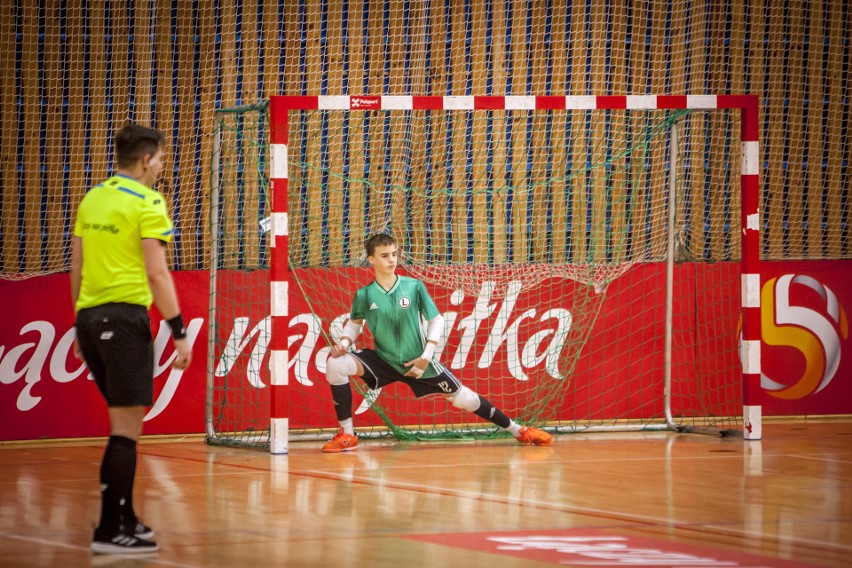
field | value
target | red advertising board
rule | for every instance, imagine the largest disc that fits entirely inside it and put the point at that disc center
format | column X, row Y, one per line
column 44, row 391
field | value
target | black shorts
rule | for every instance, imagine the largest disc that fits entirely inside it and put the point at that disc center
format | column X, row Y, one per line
column 118, row 349
column 378, row 373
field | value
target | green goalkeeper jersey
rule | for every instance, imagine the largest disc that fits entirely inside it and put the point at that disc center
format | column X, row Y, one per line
column 396, row 317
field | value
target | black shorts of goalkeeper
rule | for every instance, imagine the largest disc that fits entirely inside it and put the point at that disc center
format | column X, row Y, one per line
column 378, row 373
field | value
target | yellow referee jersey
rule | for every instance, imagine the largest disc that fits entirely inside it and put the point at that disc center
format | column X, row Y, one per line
column 112, row 220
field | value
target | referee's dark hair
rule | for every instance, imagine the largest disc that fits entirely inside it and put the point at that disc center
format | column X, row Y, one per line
column 134, row 141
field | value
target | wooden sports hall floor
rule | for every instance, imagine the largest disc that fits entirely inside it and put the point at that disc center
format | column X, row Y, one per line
column 652, row 499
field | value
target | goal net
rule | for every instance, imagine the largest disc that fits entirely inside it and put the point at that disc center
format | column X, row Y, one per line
column 587, row 261
column 238, row 323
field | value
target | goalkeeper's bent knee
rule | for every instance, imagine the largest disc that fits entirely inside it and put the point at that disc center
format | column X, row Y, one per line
column 339, row 369
column 465, row 399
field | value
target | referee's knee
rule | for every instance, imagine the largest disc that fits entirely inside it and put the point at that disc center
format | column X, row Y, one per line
column 126, row 421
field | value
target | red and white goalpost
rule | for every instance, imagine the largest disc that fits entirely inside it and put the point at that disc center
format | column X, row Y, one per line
column 281, row 288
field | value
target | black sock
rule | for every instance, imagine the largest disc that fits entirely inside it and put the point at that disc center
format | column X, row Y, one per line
column 342, row 395
column 128, row 515
column 118, row 470
column 487, row 411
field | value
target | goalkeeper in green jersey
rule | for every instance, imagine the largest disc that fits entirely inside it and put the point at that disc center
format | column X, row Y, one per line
column 393, row 306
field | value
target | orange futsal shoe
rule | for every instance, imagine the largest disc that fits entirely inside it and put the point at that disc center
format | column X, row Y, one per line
column 534, row 436
column 341, row 443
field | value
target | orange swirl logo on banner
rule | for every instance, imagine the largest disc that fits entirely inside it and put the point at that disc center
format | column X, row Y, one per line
column 815, row 334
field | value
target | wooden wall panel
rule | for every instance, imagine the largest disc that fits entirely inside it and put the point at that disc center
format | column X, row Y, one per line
column 576, row 199
column 182, row 101
column 558, row 57
column 775, row 178
column 832, row 147
column 617, row 126
column 76, row 150
column 31, row 229
column 333, row 62
column 728, row 73
column 54, row 209
column 167, row 113
column 793, row 38
column 9, row 157
column 812, row 202
column 754, row 59
column 165, row 63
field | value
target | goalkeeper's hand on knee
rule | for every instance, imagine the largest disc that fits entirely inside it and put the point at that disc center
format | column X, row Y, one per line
column 416, row 367
column 339, row 349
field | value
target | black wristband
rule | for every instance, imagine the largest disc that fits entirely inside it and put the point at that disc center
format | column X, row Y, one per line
column 178, row 330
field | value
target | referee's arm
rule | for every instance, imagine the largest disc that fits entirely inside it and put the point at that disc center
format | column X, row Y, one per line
column 76, row 269
column 76, row 279
column 165, row 295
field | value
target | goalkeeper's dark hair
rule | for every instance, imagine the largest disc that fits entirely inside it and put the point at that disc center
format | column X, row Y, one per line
column 378, row 240
column 134, row 141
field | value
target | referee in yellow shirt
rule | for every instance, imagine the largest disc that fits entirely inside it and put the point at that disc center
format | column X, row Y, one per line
column 118, row 268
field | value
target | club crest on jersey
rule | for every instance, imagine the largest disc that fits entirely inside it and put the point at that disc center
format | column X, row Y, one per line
column 404, row 303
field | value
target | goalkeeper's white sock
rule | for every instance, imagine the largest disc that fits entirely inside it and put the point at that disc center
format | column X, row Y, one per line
column 514, row 428
column 347, row 426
